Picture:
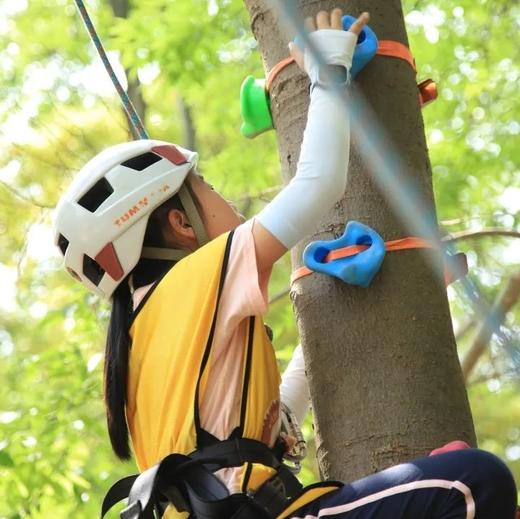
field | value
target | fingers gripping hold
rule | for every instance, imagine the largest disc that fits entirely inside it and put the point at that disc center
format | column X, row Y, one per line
column 358, row 25
column 331, row 46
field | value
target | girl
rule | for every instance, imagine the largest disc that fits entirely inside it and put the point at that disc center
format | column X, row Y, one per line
column 189, row 367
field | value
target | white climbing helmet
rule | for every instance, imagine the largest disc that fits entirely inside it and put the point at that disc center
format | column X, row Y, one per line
column 100, row 221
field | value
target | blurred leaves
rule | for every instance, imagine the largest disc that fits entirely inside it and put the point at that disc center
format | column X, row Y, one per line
column 59, row 109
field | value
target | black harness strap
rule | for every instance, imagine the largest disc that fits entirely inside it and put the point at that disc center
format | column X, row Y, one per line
column 189, row 483
column 118, row 491
column 236, row 452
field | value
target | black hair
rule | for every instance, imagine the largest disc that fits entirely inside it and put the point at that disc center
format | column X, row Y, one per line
column 118, row 339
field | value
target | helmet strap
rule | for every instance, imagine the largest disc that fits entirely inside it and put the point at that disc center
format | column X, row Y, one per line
column 163, row 254
column 188, row 204
column 193, row 215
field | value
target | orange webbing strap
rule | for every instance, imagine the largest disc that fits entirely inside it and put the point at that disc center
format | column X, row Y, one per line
column 385, row 48
column 427, row 91
column 276, row 70
column 396, row 50
column 411, row 242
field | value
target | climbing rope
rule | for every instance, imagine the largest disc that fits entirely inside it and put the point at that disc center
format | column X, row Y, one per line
column 129, row 108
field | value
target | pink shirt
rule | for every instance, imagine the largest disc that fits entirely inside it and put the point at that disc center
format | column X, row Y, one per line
column 244, row 294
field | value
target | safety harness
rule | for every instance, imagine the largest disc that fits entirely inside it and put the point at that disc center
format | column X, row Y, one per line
column 189, row 483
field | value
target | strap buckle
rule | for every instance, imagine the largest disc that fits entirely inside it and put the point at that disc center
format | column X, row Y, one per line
column 271, row 496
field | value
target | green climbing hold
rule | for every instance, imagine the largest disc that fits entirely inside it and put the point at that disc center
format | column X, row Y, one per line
column 254, row 108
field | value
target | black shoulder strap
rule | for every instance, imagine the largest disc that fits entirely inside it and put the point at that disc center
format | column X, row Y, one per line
column 117, row 492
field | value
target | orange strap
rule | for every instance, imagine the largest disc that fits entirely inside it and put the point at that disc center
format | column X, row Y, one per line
column 427, row 88
column 385, row 48
column 396, row 50
column 427, row 91
column 453, row 272
column 276, row 70
column 411, row 242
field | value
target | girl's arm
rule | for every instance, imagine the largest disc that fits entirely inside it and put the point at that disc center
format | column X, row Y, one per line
column 320, row 178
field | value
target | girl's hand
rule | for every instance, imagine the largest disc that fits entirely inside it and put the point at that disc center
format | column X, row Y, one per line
column 326, row 21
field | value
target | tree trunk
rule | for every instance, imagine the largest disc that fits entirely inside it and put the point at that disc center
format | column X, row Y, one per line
column 385, row 379
column 189, row 135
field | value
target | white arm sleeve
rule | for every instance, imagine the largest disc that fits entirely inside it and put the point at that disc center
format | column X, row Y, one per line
column 321, row 174
column 294, row 389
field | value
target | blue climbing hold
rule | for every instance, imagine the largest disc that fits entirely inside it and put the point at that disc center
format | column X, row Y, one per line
column 358, row 269
column 366, row 47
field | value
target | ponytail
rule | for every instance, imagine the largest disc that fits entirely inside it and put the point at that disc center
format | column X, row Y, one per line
column 116, row 370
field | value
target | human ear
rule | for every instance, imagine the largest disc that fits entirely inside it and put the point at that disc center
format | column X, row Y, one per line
column 179, row 226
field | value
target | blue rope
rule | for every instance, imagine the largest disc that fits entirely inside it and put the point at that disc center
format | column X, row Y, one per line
column 129, row 108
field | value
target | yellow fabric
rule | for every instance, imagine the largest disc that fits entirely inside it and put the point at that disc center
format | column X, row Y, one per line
column 170, row 336
column 259, row 474
column 308, row 495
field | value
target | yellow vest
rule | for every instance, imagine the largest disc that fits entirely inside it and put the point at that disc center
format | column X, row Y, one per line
column 172, row 334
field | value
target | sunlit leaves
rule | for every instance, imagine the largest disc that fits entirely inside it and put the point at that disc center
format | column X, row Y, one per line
column 59, row 109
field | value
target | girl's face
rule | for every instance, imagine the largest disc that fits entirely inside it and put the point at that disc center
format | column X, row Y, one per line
column 218, row 215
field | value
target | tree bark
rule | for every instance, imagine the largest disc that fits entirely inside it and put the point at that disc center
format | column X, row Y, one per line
column 384, row 375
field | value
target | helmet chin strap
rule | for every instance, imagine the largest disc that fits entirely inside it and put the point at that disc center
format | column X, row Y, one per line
column 163, row 254
column 193, row 215
column 196, row 224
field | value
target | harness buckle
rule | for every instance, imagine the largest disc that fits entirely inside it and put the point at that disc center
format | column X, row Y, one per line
column 271, row 496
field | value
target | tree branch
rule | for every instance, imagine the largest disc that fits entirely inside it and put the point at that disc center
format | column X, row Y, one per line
column 465, row 220
column 264, row 195
column 493, row 231
column 25, row 198
column 464, row 329
column 279, row 296
column 504, row 302
column 189, row 139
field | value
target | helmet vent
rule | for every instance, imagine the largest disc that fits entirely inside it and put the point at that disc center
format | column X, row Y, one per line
column 141, row 161
column 63, row 243
column 96, row 195
column 92, row 270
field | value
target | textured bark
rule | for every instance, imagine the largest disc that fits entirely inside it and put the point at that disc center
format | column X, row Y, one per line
column 385, row 379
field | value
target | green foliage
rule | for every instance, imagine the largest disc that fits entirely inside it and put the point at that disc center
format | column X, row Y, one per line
column 58, row 109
